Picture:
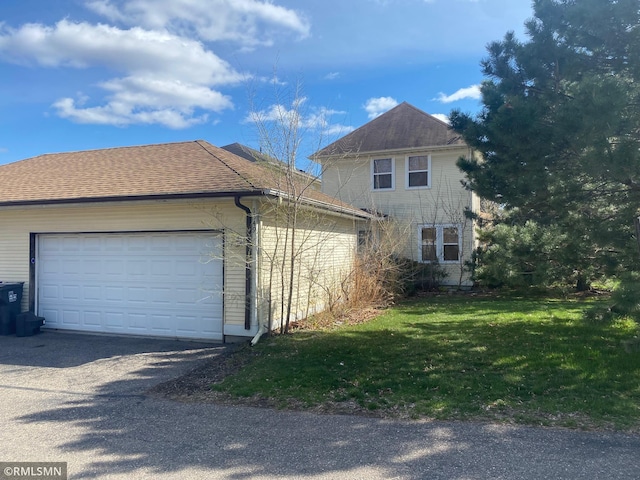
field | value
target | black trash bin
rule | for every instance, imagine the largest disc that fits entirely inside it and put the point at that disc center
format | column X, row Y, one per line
column 10, row 301
column 28, row 324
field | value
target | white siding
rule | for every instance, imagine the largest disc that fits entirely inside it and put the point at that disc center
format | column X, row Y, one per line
column 324, row 250
column 443, row 203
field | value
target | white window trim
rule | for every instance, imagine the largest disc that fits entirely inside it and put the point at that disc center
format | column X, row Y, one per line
column 440, row 242
column 393, row 175
column 406, row 173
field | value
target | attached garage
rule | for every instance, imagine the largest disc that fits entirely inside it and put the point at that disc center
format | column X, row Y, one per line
column 158, row 284
column 173, row 240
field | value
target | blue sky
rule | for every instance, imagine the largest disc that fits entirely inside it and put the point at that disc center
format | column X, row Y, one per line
column 86, row 74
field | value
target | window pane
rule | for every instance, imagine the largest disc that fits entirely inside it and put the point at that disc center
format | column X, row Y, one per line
column 451, row 253
column 382, row 181
column 362, row 237
column 420, row 179
column 429, row 253
column 418, row 163
column 429, row 235
column 382, row 165
column 450, row 235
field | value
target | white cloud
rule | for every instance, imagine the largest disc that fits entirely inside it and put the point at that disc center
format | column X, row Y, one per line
column 377, row 106
column 441, row 116
column 273, row 80
column 472, row 92
column 166, row 77
column 297, row 117
column 332, row 75
column 161, row 71
column 121, row 114
column 136, row 100
column 82, row 45
column 247, row 22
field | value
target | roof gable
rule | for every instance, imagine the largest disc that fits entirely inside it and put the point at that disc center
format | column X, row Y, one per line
column 402, row 127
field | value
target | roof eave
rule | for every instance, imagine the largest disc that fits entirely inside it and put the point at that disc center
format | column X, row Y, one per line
column 336, row 209
column 129, row 198
column 362, row 153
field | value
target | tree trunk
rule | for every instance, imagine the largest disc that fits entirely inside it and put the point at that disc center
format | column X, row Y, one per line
column 582, row 284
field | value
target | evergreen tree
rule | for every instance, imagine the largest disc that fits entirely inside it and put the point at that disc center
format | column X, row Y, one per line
column 559, row 132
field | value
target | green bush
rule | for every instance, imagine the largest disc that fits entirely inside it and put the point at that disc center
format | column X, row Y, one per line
column 419, row 277
column 529, row 255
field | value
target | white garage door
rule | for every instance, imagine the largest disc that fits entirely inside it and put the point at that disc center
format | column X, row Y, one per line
column 154, row 284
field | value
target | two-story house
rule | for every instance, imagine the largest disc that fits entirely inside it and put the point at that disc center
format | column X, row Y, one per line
column 402, row 164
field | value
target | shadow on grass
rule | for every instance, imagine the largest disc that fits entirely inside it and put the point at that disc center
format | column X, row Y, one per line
column 534, row 361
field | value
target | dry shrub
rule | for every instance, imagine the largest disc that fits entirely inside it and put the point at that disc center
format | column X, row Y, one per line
column 375, row 282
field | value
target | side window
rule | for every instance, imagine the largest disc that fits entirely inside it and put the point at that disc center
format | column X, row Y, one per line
column 450, row 244
column 418, row 171
column 440, row 243
column 429, row 241
column 363, row 240
column 383, row 172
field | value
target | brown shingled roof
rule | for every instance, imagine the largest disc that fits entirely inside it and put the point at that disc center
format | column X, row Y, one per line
column 184, row 169
column 404, row 126
column 151, row 170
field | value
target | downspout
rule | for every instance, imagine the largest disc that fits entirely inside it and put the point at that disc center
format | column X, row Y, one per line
column 248, row 270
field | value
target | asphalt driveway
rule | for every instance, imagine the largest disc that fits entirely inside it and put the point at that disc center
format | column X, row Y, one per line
column 80, row 399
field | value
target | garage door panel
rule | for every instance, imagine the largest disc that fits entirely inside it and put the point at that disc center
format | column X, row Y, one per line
column 71, row 266
column 92, row 319
column 114, row 294
column 71, row 317
column 115, row 269
column 137, row 295
column 72, row 244
column 162, row 270
column 91, row 293
column 141, row 284
column 50, row 315
column 188, row 324
column 114, row 320
column 91, row 267
column 91, row 244
column 185, row 268
column 71, row 292
column 211, row 327
column 137, row 267
column 138, row 321
column 49, row 292
column 161, row 295
column 161, row 323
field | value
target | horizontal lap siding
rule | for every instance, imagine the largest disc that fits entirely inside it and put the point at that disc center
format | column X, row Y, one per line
column 325, row 249
column 444, row 203
column 17, row 224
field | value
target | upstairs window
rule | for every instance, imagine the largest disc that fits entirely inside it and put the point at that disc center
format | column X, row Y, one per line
column 418, row 171
column 383, row 173
column 440, row 243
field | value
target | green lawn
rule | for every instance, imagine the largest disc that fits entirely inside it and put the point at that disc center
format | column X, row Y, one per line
column 458, row 357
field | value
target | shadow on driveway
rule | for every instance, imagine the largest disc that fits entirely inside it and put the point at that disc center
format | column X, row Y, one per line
column 63, row 350
column 82, row 401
